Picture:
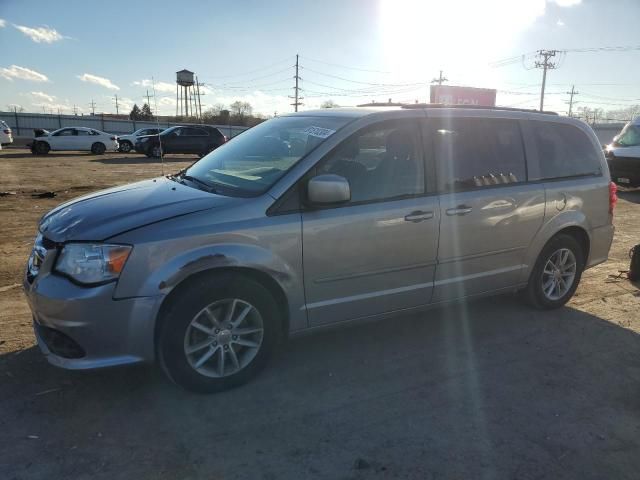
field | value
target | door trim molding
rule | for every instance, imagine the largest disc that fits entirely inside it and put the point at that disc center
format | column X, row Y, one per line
column 348, row 276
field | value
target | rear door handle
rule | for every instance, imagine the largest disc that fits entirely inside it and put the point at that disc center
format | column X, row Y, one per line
column 459, row 210
column 418, row 216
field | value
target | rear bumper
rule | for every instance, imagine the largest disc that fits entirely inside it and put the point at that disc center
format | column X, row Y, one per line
column 601, row 238
column 625, row 171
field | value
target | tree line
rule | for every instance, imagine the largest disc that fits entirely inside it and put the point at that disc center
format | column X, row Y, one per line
column 237, row 113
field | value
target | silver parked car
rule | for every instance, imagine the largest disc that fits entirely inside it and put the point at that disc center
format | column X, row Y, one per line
column 314, row 219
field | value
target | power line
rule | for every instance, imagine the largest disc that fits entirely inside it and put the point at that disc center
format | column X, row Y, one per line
column 362, row 83
column 288, row 59
column 347, row 67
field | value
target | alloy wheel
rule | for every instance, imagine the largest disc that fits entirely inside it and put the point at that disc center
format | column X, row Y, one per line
column 223, row 338
column 559, row 274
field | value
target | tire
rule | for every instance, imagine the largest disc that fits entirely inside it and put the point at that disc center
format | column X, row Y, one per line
column 541, row 281
column 154, row 152
column 98, row 148
column 125, row 146
column 210, row 366
column 41, row 148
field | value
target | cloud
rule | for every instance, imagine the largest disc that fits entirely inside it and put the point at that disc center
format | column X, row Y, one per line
column 41, row 34
column 160, row 86
column 22, row 73
column 102, row 81
column 3, row 23
column 560, row 23
column 43, row 96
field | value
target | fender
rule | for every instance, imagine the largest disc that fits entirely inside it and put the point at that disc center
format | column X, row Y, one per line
column 551, row 226
column 156, row 267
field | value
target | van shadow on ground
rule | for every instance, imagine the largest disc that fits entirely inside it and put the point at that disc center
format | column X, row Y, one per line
column 490, row 389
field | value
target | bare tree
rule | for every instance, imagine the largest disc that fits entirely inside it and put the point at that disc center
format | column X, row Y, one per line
column 329, row 104
column 241, row 109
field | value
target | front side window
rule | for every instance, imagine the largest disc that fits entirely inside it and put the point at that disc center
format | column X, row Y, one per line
column 564, row 151
column 629, row 137
column 255, row 160
column 478, row 153
column 382, row 162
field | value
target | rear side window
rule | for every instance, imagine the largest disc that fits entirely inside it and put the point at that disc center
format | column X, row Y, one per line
column 564, row 151
column 478, row 153
column 194, row 132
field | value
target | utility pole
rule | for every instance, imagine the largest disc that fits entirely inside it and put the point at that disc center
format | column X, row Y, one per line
column 148, row 98
column 296, row 89
column 75, row 110
column 92, row 105
column 545, row 64
column 440, row 79
column 117, row 110
column 572, row 93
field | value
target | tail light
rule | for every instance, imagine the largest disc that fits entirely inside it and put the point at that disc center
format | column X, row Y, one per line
column 613, row 196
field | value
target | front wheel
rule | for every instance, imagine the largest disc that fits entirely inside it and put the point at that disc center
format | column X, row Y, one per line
column 556, row 274
column 218, row 333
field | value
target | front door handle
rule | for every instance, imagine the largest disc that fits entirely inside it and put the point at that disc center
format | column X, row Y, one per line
column 459, row 210
column 418, row 216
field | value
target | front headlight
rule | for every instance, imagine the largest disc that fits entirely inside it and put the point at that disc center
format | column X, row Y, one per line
column 92, row 263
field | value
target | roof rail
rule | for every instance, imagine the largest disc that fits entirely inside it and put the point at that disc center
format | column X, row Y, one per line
column 476, row 107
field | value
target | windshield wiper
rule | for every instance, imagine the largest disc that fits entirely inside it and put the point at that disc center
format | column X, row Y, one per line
column 207, row 186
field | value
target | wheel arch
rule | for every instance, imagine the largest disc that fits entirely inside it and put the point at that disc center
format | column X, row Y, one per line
column 571, row 223
column 263, row 278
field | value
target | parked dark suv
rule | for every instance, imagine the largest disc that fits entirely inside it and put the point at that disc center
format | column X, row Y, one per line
column 198, row 139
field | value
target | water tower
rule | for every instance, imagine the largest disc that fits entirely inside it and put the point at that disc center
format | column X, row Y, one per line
column 187, row 97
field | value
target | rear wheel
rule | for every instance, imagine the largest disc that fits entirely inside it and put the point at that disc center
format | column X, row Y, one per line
column 556, row 274
column 98, row 148
column 154, row 152
column 218, row 334
column 125, row 146
column 41, row 148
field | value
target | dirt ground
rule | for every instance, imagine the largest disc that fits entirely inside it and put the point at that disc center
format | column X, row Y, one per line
column 491, row 389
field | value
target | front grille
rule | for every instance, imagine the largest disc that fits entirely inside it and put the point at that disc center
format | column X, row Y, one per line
column 59, row 343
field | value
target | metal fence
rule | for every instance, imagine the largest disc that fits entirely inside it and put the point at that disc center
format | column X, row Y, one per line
column 23, row 124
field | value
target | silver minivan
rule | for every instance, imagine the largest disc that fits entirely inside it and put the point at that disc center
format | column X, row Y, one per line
column 315, row 219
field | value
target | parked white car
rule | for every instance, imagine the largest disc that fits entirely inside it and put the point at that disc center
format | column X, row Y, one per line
column 5, row 134
column 75, row 138
column 126, row 142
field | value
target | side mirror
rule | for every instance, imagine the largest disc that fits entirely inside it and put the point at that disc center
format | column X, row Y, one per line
column 328, row 189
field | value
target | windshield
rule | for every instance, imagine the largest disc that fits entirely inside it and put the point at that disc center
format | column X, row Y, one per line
column 629, row 137
column 252, row 162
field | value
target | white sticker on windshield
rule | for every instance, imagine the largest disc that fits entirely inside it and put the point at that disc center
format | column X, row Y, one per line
column 319, row 132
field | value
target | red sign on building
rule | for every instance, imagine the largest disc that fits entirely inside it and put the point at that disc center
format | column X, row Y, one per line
column 451, row 95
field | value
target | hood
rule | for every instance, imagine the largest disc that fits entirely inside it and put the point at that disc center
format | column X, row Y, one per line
column 106, row 213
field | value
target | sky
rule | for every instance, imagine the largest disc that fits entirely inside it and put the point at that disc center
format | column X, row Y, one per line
column 57, row 55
